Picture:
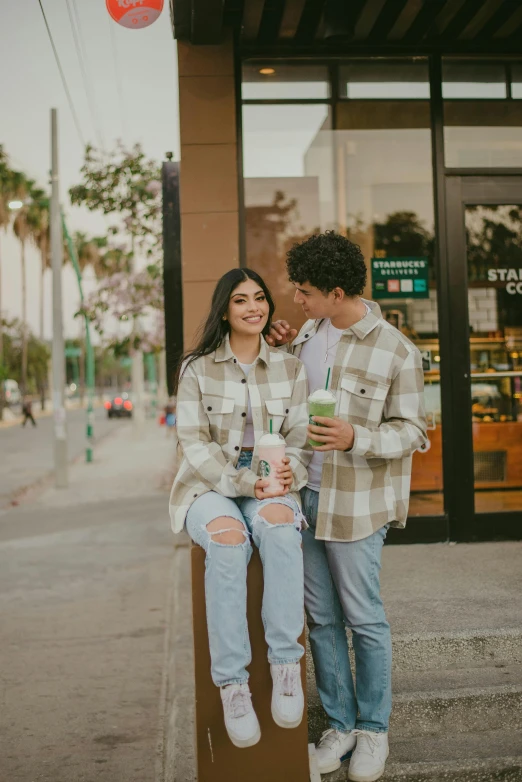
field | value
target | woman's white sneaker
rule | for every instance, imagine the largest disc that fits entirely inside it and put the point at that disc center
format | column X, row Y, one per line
column 369, row 757
column 332, row 749
column 287, row 695
column 240, row 718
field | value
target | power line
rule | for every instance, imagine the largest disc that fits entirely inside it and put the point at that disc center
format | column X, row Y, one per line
column 64, row 81
column 85, row 77
column 119, row 89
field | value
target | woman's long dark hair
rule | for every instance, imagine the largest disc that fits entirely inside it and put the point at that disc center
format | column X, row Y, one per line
column 214, row 330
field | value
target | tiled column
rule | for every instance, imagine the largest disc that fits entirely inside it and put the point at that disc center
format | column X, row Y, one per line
column 209, row 187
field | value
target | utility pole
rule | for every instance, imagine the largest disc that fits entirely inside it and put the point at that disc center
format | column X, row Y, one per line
column 58, row 349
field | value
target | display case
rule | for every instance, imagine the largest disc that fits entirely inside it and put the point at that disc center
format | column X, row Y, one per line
column 496, row 410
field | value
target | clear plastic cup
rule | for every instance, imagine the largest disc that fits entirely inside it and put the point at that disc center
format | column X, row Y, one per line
column 271, row 449
column 320, row 402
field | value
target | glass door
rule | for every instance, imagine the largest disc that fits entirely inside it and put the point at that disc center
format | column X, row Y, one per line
column 485, row 251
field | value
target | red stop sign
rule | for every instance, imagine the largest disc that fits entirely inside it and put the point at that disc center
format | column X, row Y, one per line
column 135, row 13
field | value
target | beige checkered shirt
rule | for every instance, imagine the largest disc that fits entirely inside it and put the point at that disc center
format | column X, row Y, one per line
column 379, row 383
column 211, row 416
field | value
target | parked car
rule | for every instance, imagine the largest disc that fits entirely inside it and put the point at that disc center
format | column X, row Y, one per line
column 120, row 406
column 12, row 392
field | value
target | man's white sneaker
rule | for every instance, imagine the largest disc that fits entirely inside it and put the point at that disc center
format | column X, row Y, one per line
column 240, row 718
column 287, row 695
column 333, row 747
column 369, row 757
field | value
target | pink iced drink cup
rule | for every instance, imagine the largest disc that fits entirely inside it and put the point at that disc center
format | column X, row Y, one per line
column 271, row 449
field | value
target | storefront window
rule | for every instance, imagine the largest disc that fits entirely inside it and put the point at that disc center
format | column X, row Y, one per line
column 462, row 79
column 481, row 128
column 370, row 178
column 276, row 81
column 284, row 200
column 516, row 80
column 384, row 79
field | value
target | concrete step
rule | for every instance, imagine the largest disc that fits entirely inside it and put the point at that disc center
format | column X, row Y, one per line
column 438, row 712
column 443, row 652
column 457, row 649
column 487, row 756
column 456, row 679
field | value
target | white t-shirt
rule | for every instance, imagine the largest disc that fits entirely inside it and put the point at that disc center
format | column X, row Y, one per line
column 313, row 355
column 249, row 439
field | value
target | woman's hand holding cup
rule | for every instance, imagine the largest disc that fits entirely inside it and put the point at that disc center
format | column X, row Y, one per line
column 285, row 474
column 263, row 492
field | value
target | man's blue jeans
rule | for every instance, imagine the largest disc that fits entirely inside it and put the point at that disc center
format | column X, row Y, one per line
column 342, row 590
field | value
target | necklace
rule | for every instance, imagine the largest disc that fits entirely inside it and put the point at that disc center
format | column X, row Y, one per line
column 328, row 349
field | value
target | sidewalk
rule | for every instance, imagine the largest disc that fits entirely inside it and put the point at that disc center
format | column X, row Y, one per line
column 86, row 580
column 457, row 650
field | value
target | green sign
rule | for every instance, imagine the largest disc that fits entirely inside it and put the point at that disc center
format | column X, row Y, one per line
column 400, row 278
column 73, row 352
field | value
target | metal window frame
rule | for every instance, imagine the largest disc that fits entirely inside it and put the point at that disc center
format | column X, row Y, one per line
column 333, row 63
column 462, row 189
column 458, row 521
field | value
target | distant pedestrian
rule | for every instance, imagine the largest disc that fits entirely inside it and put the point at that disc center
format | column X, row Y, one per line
column 27, row 411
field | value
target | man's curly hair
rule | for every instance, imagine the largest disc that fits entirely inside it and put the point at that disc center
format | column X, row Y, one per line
column 328, row 261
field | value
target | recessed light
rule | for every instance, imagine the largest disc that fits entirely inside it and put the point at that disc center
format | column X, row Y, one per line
column 267, row 71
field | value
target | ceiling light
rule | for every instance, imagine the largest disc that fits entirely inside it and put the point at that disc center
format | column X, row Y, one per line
column 267, row 71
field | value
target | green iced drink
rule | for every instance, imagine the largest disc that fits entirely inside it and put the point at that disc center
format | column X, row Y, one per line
column 321, row 402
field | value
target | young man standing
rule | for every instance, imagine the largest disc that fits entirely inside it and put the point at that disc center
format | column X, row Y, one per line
column 359, row 482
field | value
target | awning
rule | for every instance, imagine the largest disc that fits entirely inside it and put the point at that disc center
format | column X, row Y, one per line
column 354, row 25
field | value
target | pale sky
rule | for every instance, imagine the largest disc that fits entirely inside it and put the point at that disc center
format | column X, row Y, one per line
column 145, row 109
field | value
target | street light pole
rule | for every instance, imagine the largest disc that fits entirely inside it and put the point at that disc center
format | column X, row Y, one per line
column 90, row 366
column 58, row 348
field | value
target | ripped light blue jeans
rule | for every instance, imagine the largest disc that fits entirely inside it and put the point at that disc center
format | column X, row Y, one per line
column 226, row 588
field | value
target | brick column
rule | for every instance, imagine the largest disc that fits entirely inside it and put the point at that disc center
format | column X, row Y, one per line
column 209, row 188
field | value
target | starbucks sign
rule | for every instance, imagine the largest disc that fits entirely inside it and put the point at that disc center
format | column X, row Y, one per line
column 400, row 278
column 512, row 278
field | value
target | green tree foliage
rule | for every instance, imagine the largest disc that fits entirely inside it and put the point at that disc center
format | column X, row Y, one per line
column 127, row 184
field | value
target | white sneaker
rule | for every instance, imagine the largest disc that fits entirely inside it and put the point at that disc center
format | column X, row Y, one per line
column 240, row 718
column 369, row 758
column 333, row 748
column 287, row 695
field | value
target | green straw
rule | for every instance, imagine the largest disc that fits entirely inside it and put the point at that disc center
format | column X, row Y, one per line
column 270, row 426
column 327, row 379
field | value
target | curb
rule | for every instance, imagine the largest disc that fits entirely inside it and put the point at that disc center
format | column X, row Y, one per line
column 177, row 762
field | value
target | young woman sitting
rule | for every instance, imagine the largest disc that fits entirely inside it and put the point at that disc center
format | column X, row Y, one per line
column 230, row 387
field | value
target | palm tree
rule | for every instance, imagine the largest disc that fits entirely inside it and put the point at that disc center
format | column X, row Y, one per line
column 88, row 254
column 38, row 218
column 22, row 230
column 87, row 251
column 5, row 219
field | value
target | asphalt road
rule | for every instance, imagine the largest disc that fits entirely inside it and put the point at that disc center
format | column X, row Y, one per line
column 26, row 454
column 83, row 599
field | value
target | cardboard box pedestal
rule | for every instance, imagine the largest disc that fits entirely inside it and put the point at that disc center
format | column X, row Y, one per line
column 281, row 755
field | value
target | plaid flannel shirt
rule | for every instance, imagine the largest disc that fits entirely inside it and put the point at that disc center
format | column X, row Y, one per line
column 378, row 380
column 211, row 415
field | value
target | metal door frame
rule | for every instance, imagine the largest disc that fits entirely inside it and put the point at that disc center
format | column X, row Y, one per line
column 462, row 189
